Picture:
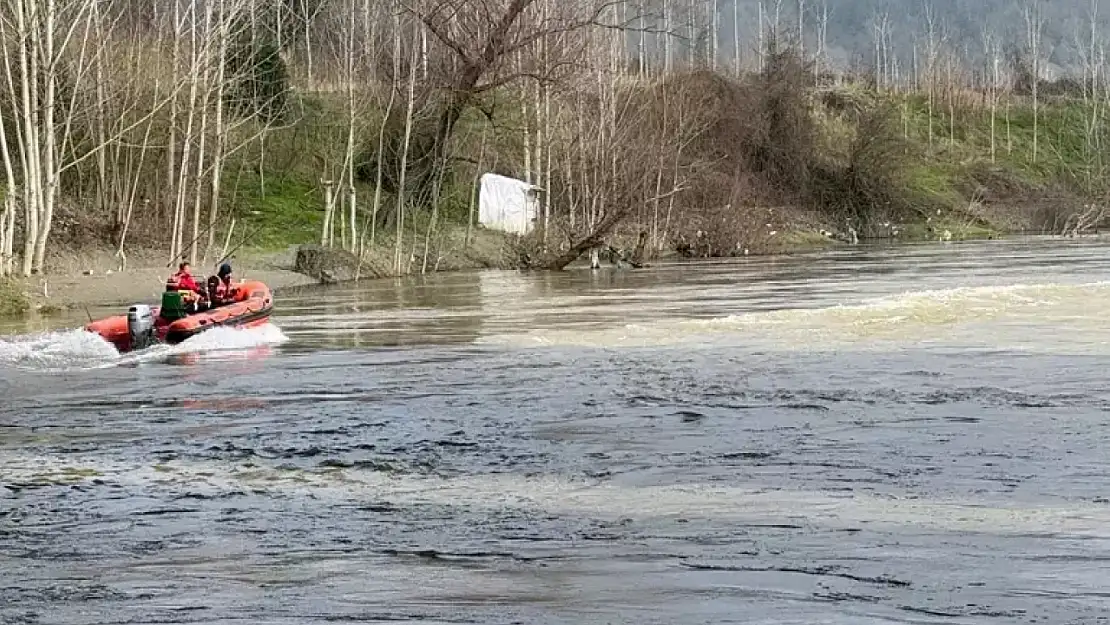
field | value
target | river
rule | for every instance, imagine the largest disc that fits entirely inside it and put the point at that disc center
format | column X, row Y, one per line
column 914, row 434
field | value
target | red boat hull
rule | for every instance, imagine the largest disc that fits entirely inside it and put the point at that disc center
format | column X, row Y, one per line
column 251, row 307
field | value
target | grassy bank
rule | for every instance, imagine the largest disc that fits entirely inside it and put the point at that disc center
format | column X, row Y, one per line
column 951, row 184
column 990, row 175
column 974, row 172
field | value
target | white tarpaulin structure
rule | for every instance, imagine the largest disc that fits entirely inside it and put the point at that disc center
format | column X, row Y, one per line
column 507, row 204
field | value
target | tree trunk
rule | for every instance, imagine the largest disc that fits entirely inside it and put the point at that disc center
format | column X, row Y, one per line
column 399, row 242
column 221, row 129
column 595, row 238
column 32, row 186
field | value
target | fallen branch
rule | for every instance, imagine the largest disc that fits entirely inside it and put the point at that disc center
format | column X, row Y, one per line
column 594, row 239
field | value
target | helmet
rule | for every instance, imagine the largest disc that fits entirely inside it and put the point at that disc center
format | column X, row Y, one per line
column 225, row 270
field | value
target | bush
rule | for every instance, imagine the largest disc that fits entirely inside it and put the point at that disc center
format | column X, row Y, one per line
column 258, row 80
column 783, row 142
column 13, row 301
column 872, row 180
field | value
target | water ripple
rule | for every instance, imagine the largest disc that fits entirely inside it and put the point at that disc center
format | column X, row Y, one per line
column 792, row 440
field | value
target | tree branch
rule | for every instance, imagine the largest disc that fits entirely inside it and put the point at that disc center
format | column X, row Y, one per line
column 439, row 33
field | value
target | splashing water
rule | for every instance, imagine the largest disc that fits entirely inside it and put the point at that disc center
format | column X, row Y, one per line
column 52, row 350
column 76, row 350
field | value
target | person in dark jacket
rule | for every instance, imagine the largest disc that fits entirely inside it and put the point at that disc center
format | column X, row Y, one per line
column 220, row 289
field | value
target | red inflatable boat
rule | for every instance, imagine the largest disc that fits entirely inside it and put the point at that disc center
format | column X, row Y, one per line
column 144, row 325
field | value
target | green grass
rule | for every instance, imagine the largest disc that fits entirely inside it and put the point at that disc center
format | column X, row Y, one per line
column 1064, row 156
column 957, row 185
column 948, row 170
column 285, row 211
column 13, row 301
column 288, row 209
column 933, row 185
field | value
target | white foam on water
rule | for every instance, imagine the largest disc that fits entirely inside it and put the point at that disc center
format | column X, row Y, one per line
column 78, row 350
column 911, row 315
column 737, row 503
column 58, row 350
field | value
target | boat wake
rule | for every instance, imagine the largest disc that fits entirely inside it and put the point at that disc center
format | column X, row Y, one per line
column 77, row 350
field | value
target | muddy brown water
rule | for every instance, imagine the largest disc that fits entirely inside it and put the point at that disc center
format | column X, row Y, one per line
column 877, row 435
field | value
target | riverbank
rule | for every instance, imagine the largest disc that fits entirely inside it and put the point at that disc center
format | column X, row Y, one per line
column 94, row 277
column 94, row 280
column 877, row 166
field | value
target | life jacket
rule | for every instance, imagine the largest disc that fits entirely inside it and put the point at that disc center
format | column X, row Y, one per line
column 219, row 291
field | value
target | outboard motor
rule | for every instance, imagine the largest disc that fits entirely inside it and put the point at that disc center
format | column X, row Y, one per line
column 140, row 326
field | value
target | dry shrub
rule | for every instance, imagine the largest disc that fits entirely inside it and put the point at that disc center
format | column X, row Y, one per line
column 694, row 152
column 738, row 226
column 679, row 160
column 872, row 180
column 611, row 149
column 841, row 101
column 1003, row 199
column 783, row 139
column 699, row 159
column 992, row 184
column 1050, row 211
column 761, row 145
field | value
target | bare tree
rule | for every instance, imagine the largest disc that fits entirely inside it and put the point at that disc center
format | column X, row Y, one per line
column 935, row 38
column 376, row 204
column 52, row 39
column 352, row 119
column 1092, row 68
column 8, row 206
column 505, row 32
column 880, row 26
column 991, row 55
column 801, row 27
column 1034, row 26
column 409, row 116
column 736, row 58
column 821, row 58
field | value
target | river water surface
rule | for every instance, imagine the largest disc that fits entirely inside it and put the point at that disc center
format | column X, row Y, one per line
column 902, row 435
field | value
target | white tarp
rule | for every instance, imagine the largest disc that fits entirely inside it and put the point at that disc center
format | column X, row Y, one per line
column 506, row 204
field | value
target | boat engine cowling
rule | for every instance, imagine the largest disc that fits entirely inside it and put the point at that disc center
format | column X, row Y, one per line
column 140, row 326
